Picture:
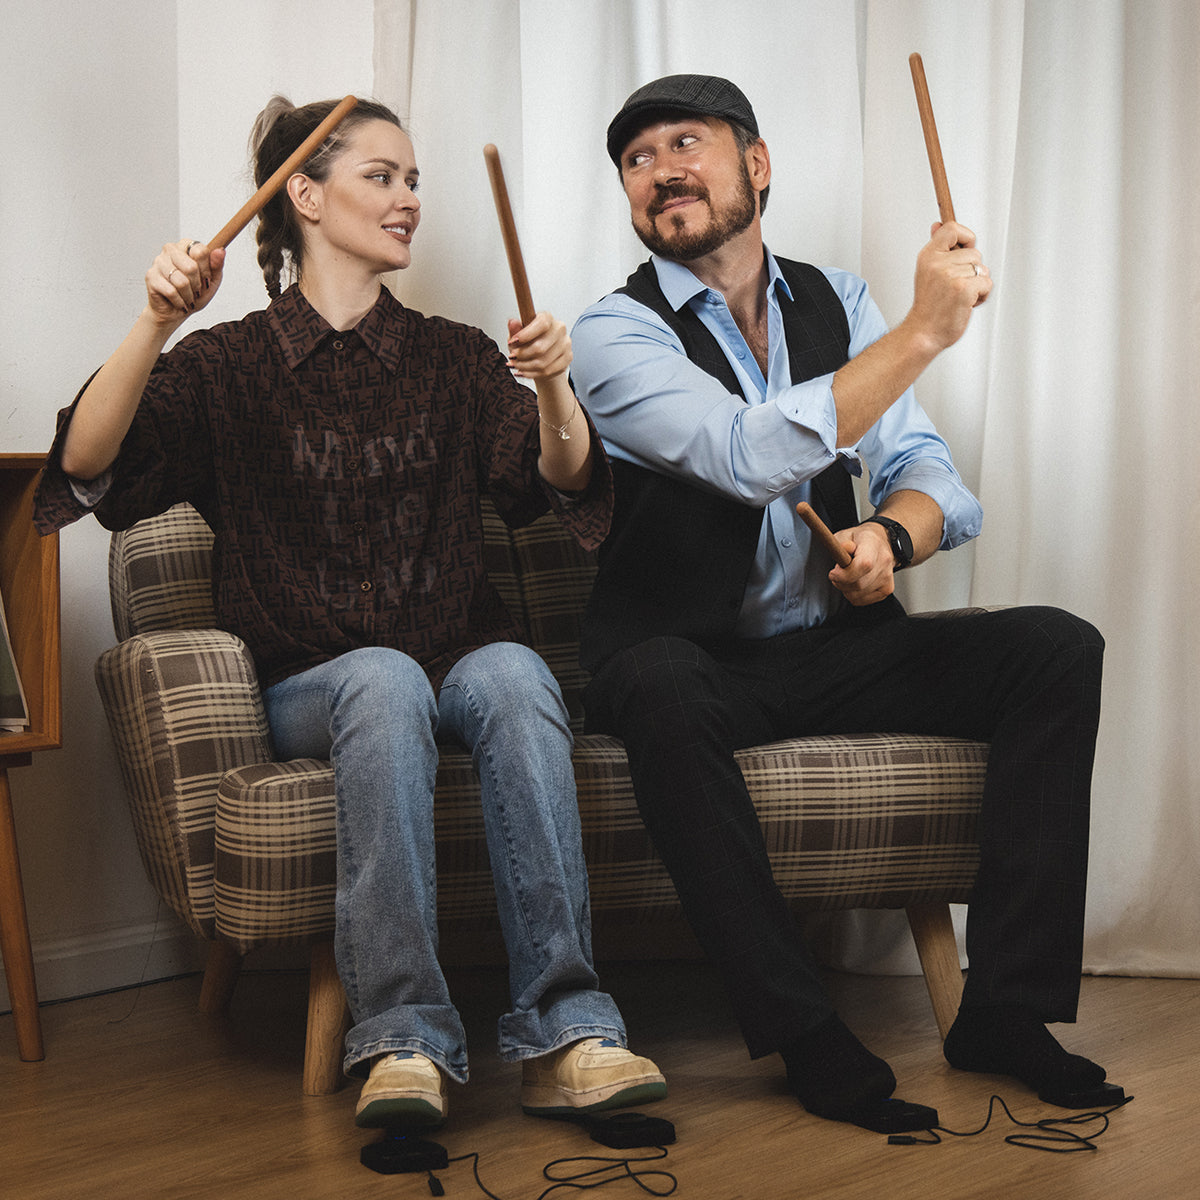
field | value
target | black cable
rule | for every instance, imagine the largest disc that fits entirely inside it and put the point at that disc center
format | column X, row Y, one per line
column 473, row 1158
column 137, row 989
column 610, row 1166
column 615, row 1169
column 1051, row 1138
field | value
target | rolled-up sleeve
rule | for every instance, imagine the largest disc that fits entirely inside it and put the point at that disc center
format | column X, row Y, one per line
column 654, row 407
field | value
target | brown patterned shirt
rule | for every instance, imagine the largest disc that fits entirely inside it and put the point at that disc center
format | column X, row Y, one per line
column 341, row 474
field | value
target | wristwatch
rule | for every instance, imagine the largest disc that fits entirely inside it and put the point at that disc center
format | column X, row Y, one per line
column 898, row 539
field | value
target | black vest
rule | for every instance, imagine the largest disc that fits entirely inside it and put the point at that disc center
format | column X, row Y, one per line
column 678, row 557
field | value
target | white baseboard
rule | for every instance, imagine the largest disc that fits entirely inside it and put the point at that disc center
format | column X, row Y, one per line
column 83, row 964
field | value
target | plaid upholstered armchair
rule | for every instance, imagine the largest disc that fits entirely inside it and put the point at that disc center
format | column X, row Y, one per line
column 242, row 848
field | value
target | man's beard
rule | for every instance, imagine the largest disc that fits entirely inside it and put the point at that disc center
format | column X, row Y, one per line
column 686, row 247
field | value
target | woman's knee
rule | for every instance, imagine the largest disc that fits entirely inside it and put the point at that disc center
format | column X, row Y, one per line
column 384, row 681
column 373, row 687
column 501, row 670
column 501, row 684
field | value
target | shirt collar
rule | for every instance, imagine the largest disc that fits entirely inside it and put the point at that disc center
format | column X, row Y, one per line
column 301, row 329
column 679, row 285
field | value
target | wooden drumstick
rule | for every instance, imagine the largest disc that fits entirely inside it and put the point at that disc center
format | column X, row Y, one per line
column 941, row 187
column 508, row 230
column 823, row 534
column 263, row 196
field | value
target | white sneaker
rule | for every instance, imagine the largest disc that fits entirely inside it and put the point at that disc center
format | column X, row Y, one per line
column 588, row 1076
column 404, row 1088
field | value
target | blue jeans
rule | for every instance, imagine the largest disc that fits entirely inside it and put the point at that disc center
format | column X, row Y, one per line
column 373, row 713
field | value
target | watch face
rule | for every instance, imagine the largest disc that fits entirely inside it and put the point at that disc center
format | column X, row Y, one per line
column 898, row 539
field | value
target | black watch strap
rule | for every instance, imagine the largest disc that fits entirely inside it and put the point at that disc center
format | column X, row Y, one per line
column 898, row 539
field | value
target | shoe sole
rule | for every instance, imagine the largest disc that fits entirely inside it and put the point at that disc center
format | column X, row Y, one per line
column 387, row 1111
column 550, row 1101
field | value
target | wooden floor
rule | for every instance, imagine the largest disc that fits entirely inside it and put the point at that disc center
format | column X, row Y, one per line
column 141, row 1096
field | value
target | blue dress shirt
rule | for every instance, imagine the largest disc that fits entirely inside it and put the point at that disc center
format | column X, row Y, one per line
column 654, row 407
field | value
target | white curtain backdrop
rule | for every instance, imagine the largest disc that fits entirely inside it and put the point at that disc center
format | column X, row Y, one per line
column 1068, row 129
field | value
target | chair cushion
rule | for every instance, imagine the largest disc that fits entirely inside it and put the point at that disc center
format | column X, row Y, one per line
column 881, row 821
column 245, row 849
column 275, row 852
column 872, row 820
column 275, row 868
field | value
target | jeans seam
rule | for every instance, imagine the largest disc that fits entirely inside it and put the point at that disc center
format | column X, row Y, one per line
column 485, row 754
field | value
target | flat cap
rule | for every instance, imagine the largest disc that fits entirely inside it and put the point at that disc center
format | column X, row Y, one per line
column 703, row 95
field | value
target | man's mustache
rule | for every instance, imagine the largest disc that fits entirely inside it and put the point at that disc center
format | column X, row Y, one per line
column 666, row 192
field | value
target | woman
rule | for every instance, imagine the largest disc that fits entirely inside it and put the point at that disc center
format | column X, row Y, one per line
column 338, row 445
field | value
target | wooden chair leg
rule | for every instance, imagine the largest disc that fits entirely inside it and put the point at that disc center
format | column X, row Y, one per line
column 14, row 935
column 933, row 932
column 328, row 1020
column 220, row 975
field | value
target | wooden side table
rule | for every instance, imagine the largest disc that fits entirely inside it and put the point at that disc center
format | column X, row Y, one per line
column 29, row 582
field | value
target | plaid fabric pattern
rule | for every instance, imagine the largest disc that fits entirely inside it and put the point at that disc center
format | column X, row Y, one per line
column 275, row 852
column 160, row 574
column 555, row 575
column 869, row 821
column 244, row 848
column 183, row 708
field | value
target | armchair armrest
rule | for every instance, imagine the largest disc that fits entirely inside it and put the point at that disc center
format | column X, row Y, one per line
column 184, row 707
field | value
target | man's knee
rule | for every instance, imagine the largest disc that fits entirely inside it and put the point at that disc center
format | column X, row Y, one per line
column 1064, row 637
column 666, row 684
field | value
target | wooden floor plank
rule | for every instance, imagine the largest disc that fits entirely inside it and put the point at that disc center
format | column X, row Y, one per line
column 142, row 1096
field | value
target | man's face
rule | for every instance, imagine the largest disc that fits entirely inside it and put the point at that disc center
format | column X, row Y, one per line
column 688, row 186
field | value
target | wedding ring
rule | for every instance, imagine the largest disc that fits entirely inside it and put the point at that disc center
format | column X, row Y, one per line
column 978, row 269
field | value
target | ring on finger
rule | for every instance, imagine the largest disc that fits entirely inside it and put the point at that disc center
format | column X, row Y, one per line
column 978, row 269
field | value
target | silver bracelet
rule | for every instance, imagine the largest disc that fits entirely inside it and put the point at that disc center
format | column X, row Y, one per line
column 561, row 430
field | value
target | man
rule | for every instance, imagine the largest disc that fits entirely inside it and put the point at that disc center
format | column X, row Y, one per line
column 728, row 386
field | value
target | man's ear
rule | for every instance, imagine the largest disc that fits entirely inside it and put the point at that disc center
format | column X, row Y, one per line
column 305, row 196
column 758, row 163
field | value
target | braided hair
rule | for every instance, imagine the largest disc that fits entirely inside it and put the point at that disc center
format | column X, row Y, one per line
column 278, row 130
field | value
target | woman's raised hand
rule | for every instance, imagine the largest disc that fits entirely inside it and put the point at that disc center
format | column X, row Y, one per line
column 182, row 279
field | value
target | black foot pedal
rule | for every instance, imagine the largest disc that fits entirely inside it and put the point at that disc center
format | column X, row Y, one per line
column 398, row 1153
column 1100, row 1095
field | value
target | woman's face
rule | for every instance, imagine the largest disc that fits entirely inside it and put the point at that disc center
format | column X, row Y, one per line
column 367, row 209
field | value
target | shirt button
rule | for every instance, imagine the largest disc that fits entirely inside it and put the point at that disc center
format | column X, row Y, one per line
column 786, row 543
column 359, row 526
column 365, row 586
column 352, row 466
column 338, row 344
